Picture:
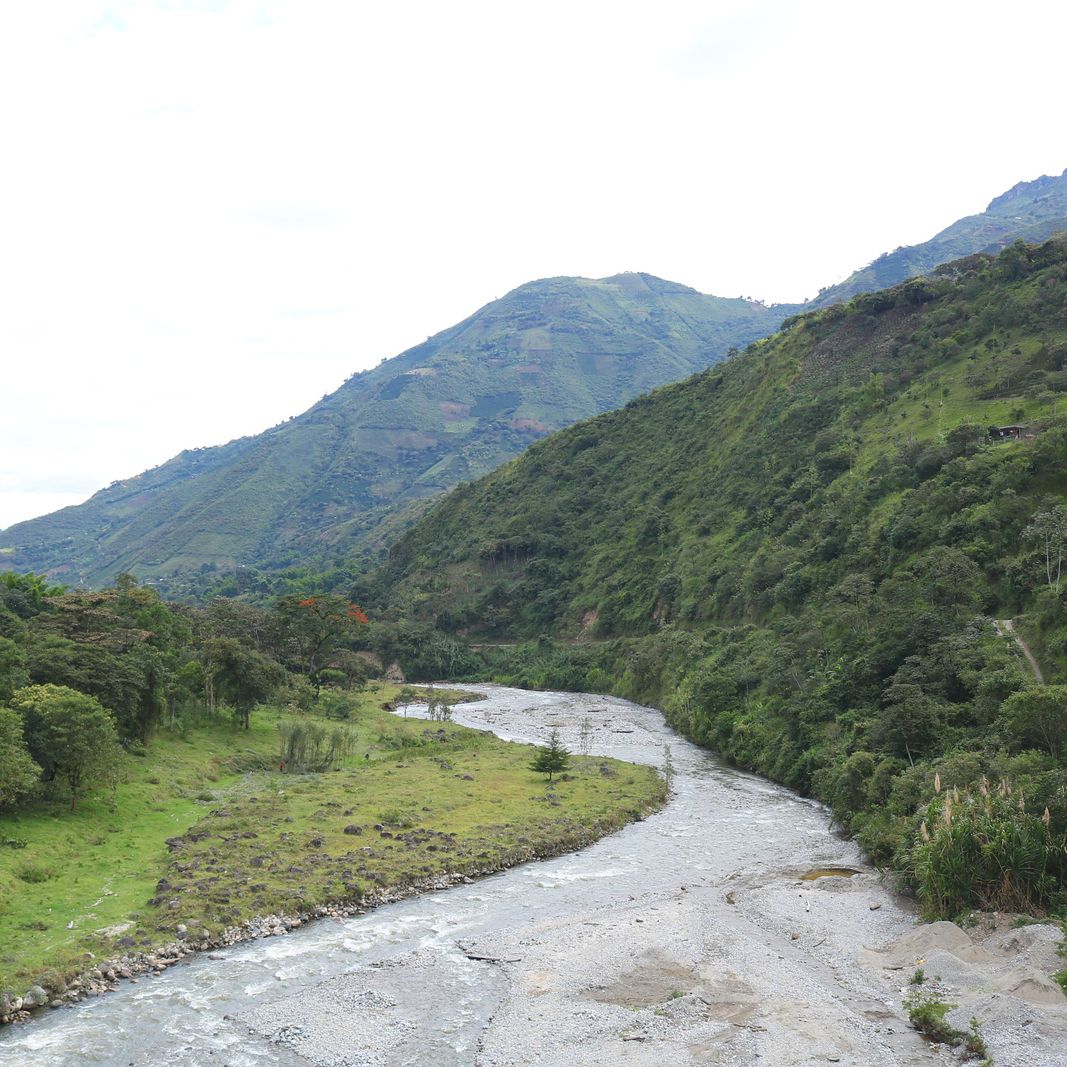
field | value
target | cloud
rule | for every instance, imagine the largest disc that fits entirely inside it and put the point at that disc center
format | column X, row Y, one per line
column 746, row 36
column 215, row 214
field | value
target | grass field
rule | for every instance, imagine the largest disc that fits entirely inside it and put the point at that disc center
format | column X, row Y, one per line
column 416, row 799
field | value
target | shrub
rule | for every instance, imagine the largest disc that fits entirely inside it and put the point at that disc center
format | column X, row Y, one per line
column 983, row 850
column 307, row 746
column 34, row 873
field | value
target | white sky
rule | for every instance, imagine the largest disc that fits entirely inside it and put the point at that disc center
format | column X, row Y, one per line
column 211, row 213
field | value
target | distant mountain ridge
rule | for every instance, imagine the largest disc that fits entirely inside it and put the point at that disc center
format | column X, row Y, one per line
column 1029, row 211
column 347, row 476
column 338, row 478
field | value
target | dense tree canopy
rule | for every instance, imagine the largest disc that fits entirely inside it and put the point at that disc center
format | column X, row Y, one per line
column 69, row 734
column 18, row 772
column 82, row 670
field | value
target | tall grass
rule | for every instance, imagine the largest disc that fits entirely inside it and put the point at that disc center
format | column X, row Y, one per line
column 982, row 849
column 310, row 746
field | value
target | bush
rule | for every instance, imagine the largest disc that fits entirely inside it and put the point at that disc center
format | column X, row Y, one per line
column 984, row 851
column 334, row 705
column 34, row 873
column 927, row 1015
column 307, row 746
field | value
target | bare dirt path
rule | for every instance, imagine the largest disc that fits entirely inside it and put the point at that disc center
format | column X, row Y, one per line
column 1006, row 628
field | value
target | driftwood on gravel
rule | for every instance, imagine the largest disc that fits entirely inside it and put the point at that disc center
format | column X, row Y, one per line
column 492, row 959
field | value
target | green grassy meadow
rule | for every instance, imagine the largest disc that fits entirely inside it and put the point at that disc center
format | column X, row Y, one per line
column 245, row 840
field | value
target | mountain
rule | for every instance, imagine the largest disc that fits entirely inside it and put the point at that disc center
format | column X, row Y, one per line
column 1030, row 211
column 345, row 478
column 798, row 554
column 697, row 480
column 344, row 475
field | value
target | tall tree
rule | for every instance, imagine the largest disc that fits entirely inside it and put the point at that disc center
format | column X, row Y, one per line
column 71, row 735
column 316, row 626
column 1038, row 715
column 1049, row 529
column 18, row 772
column 240, row 675
column 13, row 674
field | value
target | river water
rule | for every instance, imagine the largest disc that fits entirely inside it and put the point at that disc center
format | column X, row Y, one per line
column 688, row 937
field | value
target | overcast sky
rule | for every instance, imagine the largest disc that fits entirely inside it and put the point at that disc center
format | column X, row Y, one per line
column 211, row 213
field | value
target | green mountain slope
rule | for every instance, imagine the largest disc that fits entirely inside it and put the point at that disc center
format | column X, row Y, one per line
column 798, row 554
column 1030, row 211
column 345, row 478
column 340, row 477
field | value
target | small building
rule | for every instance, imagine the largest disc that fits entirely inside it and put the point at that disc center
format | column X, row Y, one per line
column 1007, row 433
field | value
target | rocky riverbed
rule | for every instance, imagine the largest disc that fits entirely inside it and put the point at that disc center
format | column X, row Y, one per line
column 733, row 927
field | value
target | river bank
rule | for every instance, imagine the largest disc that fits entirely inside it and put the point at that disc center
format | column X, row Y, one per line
column 421, row 806
column 690, row 937
column 106, row 975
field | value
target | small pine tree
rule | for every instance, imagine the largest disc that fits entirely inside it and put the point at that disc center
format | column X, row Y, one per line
column 668, row 766
column 553, row 759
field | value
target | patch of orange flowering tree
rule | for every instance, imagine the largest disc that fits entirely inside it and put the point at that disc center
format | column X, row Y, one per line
column 315, row 627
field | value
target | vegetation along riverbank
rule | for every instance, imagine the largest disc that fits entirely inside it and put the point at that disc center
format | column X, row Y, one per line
column 801, row 556
column 220, row 821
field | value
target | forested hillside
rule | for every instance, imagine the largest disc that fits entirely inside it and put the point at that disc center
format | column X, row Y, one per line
column 327, row 490
column 801, row 555
column 341, row 478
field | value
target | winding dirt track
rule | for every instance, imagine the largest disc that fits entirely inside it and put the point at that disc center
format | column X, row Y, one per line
column 1006, row 628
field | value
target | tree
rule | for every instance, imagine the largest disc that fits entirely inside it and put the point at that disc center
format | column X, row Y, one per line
column 18, row 772
column 853, row 597
column 13, row 674
column 24, row 594
column 553, row 759
column 911, row 722
column 1038, row 715
column 70, row 734
column 126, row 681
column 240, row 675
column 950, row 579
column 438, row 708
column 1049, row 529
column 315, row 626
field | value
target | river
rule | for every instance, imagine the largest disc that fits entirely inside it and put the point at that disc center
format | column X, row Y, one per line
column 688, row 937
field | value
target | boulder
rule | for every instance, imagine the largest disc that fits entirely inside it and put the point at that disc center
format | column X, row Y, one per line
column 35, row 997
